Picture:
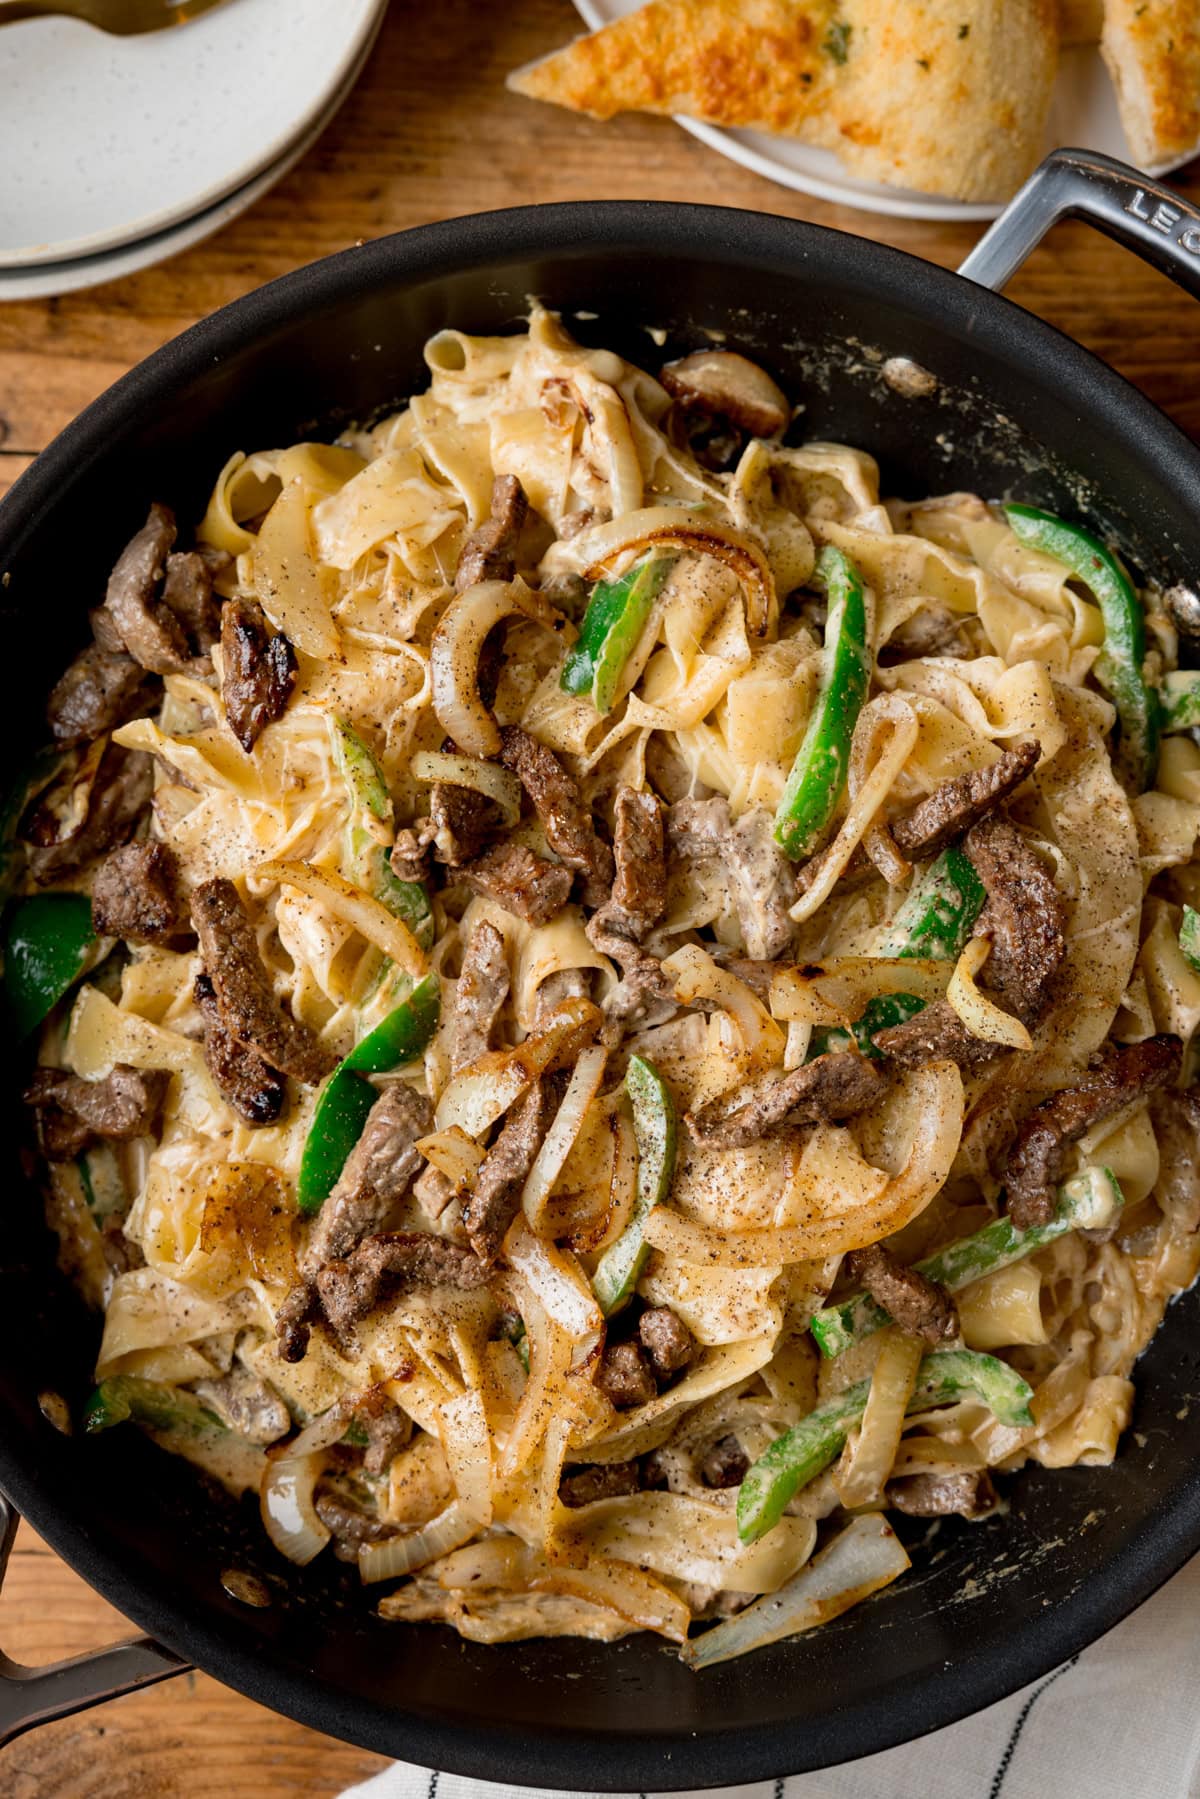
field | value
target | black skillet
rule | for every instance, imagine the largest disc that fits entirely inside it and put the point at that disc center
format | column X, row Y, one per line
column 1018, row 409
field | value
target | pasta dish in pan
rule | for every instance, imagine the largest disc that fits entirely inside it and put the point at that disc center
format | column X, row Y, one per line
column 613, row 1007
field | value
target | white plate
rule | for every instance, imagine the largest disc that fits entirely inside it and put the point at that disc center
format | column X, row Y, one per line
column 105, row 140
column 1083, row 114
column 39, row 282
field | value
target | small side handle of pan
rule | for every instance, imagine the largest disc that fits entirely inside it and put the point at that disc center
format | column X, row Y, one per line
column 32, row 1696
column 1160, row 225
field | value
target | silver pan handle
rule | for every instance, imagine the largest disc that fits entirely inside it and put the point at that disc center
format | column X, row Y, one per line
column 1161, row 226
column 30, row 1696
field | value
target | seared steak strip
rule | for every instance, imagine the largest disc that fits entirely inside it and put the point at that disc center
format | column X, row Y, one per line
column 188, row 593
column 725, row 1464
column 525, row 884
column 643, row 978
column 149, row 630
column 639, row 895
column 829, row 1088
column 409, row 856
column 119, row 796
column 919, row 1306
column 598, row 1480
column 935, row 1034
column 952, row 808
column 491, row 1204
column 299, row 1309
column 667, row 1341
column 349, row 1526
column 389, row 1430
column 479, row 996
column 246, row 1404
column 135, row 895
column 258, row 670
column 763, row 881
column 625, row 1376
column 1023, row 917
column 125, row 1104
column 565, row 819
column 349, row 1290
column 461, row 820
column 99, row 691
column 489, row 554
column 378, row 1172
column 250, row 1087
column 1039, row 1153
column 967, row 1495
column 249, row 1009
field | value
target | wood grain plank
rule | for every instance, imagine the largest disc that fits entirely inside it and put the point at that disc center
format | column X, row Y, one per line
column 428, row 133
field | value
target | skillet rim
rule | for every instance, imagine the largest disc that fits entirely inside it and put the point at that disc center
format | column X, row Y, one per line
column 558, row 1757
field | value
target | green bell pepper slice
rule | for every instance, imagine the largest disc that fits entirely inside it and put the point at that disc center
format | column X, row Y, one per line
column 937, row 918
column 347, row 1097
column 48, row 939
column 1121, row 667
column 1189, row 937
column 615, row 618
column 885, row 1010
column 818, row 775
column 655, row 1132
column 369, row 833
column 1089, row 1201
column 800, row 1454
column 149, row 1402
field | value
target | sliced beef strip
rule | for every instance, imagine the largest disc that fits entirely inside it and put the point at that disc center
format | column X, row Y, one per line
column 625, row 1376
column 935, row 1034
column 525, row 884
column 764, row 883
column 119, row 797
column 919, row 1306
column 135, row 895
column 258, row 670
column 351, row 1289
column 99, row 691
column 1036, row 1159
column 479, row 996
column 639, row 895
column 249, row 1009
column 831, row 1087
column 249, row 1085
column 491, row 1204
column 389, row 1430
column 300, row 1308
column 566, row 821
column 149, row 630
column 557, row 988
column 489, row 554
column 462, row 822
column 1176, row 1116
column 1023, row 917
column 348, row 1524
column 599, row 1480
column 643, row 978
column 125, row 1104
column 952, row 808
column 378, row 1172
column 409, row 856
column 247, row 1405
column 755, row 973
column 725, row 1464
column 188, row 594
column 667, row 1341
column 969, row 1495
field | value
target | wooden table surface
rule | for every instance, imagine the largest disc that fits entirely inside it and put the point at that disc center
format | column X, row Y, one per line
column 429, row 133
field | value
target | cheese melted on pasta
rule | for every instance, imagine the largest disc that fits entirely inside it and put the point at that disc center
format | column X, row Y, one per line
column 975, row 643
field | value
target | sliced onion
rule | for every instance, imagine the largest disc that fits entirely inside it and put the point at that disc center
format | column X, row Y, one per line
column 697, row 976
column 491, row 779
column 981, row 1015
column 560, row 1138
column 631, row 1592
column 545, row 1391
column 453, row 1154
column 399, row 1555
column 557, row 1279
column 455, row 651
column 865, row 1556
column 867, row 1464
column 844, row 985
column 286, row 1502
column 369, row 917
column 325, row 1430
column 478, row 1094
column 669, row 527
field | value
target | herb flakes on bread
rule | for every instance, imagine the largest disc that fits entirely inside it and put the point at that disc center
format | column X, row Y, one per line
column 1152, row 48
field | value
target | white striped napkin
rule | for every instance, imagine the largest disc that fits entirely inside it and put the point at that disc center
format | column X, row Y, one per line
column 1121, row 1721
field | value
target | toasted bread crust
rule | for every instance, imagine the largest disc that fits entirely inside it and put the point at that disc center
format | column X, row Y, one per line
column 1152, row 48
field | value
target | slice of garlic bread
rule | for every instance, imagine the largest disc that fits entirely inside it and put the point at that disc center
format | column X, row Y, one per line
column 1080, row 21
column 761, row 63
column 1152, row 48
